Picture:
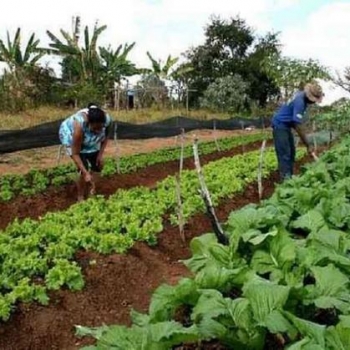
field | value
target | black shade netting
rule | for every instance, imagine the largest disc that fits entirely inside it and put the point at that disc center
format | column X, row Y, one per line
column 47, row 134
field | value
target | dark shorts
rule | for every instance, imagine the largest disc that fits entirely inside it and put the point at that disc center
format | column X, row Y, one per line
column 90, row 161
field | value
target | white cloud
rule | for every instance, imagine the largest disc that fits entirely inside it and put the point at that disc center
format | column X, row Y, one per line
column 332, row 93
column 324, row 36
column 162, row 27
column 170, row 27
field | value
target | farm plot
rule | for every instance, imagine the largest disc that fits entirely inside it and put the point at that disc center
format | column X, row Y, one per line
column 43, row 249
column 281, row 282
column 60, row 198
column 37, row 181
column 114, row 283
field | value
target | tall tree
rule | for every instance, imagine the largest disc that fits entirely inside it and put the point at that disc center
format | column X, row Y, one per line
column 11, row 52
column 262, row 86
column 81, row 62
column 165, row 77
column 160, row 71
column 227, row 94
column 181, row 81
column 115, row 63
column 231, row 47
column 223, row 52
column 343, row 81
column 115, row 66
column 88, row 68
column 23, row 78
column 291, row 74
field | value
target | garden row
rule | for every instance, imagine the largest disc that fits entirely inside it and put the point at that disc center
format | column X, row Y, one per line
column 36, row 181
column 282, row 282
column 36, row 256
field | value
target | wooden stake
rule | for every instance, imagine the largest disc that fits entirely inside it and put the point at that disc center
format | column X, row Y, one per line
column 59, row 154
column 243, row 148
column 116, row 147
column 176, row 140
column 182, row 139
column 215, row 138
column 179, row 208
column 264, row 127
column 222, row 238
column 260, row 169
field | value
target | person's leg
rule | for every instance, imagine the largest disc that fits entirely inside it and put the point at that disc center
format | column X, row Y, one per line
column 80, row 183
column 95, row 169
column 82, row 186
column 292, row 149
column 284, row 152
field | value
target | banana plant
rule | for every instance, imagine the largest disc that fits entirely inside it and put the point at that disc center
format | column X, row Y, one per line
column 115, row 63
column 162, row 72
column 178, row 75
column 11, row 52
column 85, row 58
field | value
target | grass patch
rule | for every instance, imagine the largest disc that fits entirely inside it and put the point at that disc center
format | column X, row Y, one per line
column 46, row 114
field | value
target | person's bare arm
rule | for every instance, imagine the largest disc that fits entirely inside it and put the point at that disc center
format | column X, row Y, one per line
column 76, row 148
column 298, row 118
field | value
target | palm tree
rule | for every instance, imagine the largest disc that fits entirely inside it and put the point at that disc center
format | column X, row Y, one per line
column 182, row 80
column 12, row 55
column 18, row 79
column 168, row 72
column 165, row 71
column 115, row 64
column 83, row 61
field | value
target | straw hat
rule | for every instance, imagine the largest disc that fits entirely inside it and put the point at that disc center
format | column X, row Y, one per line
column 314, row 92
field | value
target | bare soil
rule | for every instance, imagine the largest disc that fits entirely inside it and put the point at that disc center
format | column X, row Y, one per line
column 114, row 283
column 55, row 199
column 42, row 158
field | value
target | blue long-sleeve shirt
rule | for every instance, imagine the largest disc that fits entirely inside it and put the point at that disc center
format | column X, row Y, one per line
column 291, row 113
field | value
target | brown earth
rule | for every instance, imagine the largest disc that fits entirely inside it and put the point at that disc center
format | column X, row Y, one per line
column 42, row 158
column 54, row 199
column 114, row 283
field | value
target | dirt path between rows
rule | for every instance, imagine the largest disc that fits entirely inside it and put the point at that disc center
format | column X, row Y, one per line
column 55, row 199
column 42, row 158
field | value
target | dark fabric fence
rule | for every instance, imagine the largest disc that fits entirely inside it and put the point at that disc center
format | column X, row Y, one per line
column 47, row 134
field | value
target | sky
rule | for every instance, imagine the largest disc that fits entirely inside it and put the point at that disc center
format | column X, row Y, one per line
column 318, row 29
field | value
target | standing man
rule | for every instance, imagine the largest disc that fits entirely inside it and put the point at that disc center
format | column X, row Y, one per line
column 291, row 116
